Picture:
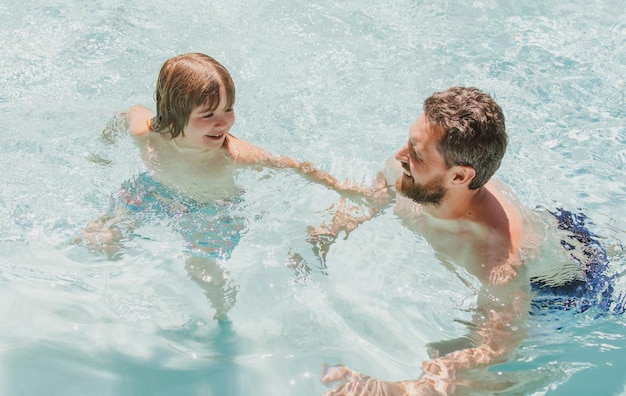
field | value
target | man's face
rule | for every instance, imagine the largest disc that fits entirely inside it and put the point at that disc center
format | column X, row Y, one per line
column 423, row 165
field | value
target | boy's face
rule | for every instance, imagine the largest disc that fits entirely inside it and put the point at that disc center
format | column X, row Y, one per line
column 208, row 129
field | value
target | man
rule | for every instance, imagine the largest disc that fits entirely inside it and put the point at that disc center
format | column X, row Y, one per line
column 443, row 177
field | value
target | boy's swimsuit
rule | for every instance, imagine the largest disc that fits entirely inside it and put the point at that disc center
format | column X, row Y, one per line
column 208, row 229
column 597, row 287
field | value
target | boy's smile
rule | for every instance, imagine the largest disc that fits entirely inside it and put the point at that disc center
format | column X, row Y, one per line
column 208, row 129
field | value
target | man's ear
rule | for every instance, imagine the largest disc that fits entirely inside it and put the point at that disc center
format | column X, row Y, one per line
column 462, row 175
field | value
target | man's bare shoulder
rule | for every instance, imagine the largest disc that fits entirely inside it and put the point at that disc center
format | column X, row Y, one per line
column 505, row 226
column 506, row 213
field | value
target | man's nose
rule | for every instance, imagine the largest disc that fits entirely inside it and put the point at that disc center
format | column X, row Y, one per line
column 401, row 155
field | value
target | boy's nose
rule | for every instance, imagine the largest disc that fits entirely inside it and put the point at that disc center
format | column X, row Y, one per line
column 220, row 120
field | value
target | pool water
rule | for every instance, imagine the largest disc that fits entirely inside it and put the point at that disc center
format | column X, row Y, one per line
column 334, row 83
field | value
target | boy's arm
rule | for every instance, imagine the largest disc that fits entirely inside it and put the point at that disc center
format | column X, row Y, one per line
column 107, row 234
column 246, row 153
column 135, row 120
column 310, row 172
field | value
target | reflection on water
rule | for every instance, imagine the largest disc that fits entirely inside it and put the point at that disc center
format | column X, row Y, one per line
column 334, row 83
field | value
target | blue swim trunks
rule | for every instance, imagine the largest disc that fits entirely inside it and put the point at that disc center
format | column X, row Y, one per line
column 596, row 289
column 208, row 229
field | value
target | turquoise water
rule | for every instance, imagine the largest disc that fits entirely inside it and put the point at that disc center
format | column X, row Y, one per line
column 335, row 83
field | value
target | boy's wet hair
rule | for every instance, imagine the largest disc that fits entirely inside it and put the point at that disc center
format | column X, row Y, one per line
column 185, row 82
column 474, row 131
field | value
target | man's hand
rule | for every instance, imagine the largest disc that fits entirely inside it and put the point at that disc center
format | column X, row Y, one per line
column 322, row 236
column 357, row 384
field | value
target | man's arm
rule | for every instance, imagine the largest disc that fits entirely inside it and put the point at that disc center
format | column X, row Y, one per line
column 499, row 330
column 501, row 312
column 347, row 219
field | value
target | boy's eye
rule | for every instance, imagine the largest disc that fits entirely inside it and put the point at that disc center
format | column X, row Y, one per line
column 209, row 115
column 229, row 110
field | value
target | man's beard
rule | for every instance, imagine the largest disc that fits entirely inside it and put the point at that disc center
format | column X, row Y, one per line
column 429, row 193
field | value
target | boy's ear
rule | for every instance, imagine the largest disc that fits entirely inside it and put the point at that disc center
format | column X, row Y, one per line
column 462, row 175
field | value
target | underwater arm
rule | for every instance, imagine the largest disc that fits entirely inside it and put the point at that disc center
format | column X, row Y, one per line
column 500, row 316
column 135, row 121
column 347, row 219
column 108, row 234
column 499, row 330
column 379, row 196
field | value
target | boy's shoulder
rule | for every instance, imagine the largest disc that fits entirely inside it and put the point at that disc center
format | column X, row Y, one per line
column 139, row 119
column 244, row 152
